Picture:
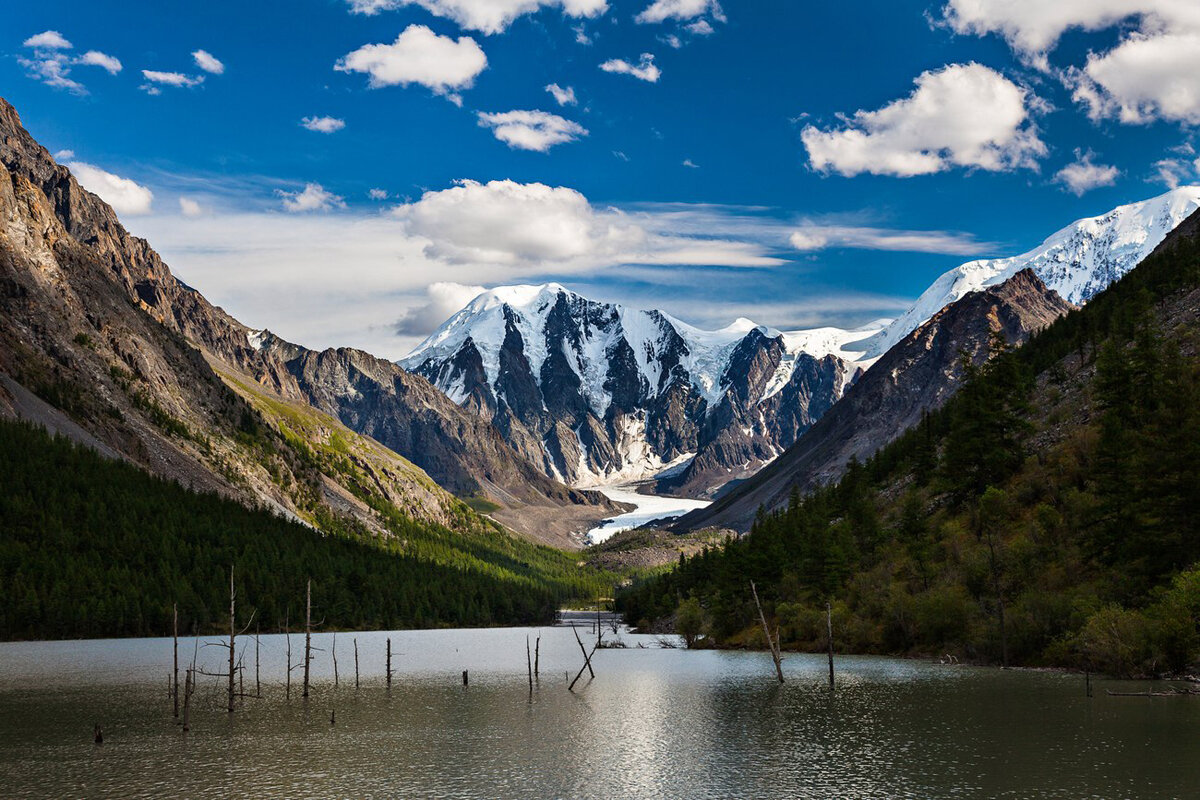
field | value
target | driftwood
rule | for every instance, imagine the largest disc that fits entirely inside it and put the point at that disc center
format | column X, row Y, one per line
column 771, row 643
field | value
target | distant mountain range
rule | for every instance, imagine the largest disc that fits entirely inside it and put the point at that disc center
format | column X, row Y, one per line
column 595, row 392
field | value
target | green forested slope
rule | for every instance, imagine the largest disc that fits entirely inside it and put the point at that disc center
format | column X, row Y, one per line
column 92, row 547
column 1049, row 514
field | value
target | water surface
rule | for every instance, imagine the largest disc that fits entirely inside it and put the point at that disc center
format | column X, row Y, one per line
column 653, row 723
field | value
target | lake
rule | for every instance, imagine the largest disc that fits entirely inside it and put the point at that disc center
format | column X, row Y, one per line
column 663, row 723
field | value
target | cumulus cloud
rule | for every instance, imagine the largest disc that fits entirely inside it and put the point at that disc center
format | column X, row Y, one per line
column 126, row 196
column 440, row 63
column 664, row 10
column 314, row 197
column 442, row 300
column 644, row 70
column 323, row 124
column 1083, row 175
column 189, row 207
column 963, row 115
column 64, row 155
column 485, row 16
column 1176, row 171
column 1151, row 72
column 531, row 130
column 48, row 40
column 564, row 96
column 95, row 58
column 531, row 225
column 208, row 62
column 51, row 64
column 156, row 79
column 1144, row 78
column 378, row 194
column 811, row 237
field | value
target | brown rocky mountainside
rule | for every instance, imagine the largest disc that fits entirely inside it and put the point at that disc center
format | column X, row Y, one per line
column 99, row 341
column 916, row 375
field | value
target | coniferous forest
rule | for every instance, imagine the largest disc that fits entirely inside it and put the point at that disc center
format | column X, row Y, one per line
column 98, row 548
column 1049, row 514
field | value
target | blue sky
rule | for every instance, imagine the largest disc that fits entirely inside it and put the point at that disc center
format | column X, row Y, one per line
column 798, row 163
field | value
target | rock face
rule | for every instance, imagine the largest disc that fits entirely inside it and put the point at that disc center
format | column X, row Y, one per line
column 94, row 325
column 916, row 375
column 594, row 392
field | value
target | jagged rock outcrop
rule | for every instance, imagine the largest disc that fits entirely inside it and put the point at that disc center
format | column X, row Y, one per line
column 916, row 375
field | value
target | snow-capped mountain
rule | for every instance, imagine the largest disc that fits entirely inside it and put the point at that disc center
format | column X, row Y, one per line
column 595, row 392
column 1078, row 262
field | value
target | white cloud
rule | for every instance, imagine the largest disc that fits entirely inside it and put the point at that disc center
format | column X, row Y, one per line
column 177, row 79
column 1142, row 79
column 378, row 194
column 323, row 124
column 127, row 197
column 420, row 56
column 581, row 36
column 531, row 130
column 314, row 197
column 644, row 70
column 64, row 155
column 663, row 10
column 444, row 299
column 687, row 162
column 485, row 16
column 963, row 115
column 815, row 236
column 95, row 58
column 1176, row 171
column 524, row 226
column 189, row 207
column 700, row 27
column 1083, row 175
column 208, row 62
column 48, row 40
column 562, row 96
column 1152, row 72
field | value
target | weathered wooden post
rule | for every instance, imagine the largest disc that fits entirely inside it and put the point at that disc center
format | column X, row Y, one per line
column 829, row 633
column 355, row 662
column 537, row 654
column 389, row 662
column 307, row 636
column 257, row 673
column 287, row 634
column 466, row 679
column 187, row 701
column 767, row 632
column 335, row 667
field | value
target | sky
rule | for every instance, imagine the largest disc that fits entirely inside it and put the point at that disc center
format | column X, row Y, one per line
column 351, row 172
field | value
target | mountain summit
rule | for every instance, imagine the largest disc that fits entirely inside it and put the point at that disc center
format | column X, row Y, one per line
column 596, row 392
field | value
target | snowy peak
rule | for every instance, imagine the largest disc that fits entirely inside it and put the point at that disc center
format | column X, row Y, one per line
column 1078, row 262
column 597, row 391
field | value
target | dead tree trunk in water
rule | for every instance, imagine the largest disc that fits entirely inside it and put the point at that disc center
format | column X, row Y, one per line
column 529, row 664
column 257, row 675
column 333, row 651
column 829, row 633
column 232, row 638
column 355, row 662
column 307, row 636
column 537, row 654
column 389, row 662
column 187, row 701
column 175, row 678
column 771, row 643
column 287, row 635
